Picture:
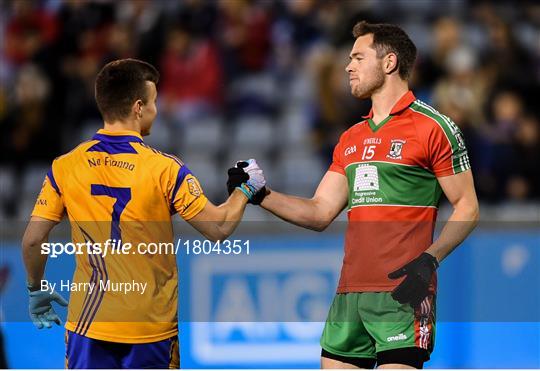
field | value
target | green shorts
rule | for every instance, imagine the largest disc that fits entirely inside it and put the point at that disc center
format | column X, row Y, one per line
column 363, row 324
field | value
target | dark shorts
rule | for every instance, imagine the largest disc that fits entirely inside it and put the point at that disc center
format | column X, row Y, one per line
column 83, row 352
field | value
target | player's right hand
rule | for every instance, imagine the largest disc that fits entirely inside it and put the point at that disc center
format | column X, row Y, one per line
column 249, row 178
column 40, row 306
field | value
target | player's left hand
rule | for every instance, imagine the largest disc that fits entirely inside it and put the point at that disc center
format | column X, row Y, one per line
column 415, row 287
column 40, row 306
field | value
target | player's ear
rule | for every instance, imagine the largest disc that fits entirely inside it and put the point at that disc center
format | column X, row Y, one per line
column 390, row 63
column 137, row 108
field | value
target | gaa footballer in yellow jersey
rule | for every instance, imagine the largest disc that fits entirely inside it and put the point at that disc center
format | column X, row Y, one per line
column 116, row 189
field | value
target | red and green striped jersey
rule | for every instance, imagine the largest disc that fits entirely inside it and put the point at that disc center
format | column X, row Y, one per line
column 392, row 170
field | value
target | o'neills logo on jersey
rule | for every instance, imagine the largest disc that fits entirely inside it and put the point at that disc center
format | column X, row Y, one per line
column 350, row 150
column 395, row 149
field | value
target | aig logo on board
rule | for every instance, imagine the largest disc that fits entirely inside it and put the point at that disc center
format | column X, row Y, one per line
column 249, row 309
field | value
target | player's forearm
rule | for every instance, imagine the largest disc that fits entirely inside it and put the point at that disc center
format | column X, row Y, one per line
column 37, row 232
column 232, row 212
column 303, row 212
column 460, row 224
column 34, row 261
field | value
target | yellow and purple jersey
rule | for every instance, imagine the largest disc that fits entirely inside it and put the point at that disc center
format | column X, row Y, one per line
column 116, row 188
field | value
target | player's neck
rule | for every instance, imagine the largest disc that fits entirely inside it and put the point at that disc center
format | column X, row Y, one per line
column 386, row 98
column 122, row 126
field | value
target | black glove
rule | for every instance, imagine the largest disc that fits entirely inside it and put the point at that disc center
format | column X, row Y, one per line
column 415, row 287
column 237, row 176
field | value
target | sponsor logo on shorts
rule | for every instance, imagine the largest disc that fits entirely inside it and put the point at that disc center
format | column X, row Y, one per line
column 396, row 338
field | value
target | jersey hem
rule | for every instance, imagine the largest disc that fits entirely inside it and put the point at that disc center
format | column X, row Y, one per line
column 337, row 170
column 195, row 212
column 449, row 172
column 122, row 340
column 54, row 218
column 362, row 288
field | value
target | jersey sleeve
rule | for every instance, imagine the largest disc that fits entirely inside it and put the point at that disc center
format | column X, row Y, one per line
column 337, row 159
column 49, row 204
column 447, row 152
column 186, row 197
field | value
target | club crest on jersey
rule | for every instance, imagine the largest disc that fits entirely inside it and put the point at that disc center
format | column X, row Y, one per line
column 193, row 187
column 395, row 149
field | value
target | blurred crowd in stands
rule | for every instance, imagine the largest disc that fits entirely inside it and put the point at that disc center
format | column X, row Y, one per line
column 265, row 79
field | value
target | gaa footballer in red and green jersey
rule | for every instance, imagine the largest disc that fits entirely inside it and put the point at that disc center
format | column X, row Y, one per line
column 393, row 192
column 388, row 172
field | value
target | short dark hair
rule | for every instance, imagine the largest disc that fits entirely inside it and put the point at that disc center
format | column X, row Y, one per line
column 120, row 83
column 389, row 38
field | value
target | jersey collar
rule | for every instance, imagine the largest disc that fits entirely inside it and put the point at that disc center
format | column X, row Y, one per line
column 403, row 103
column 117, row 136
